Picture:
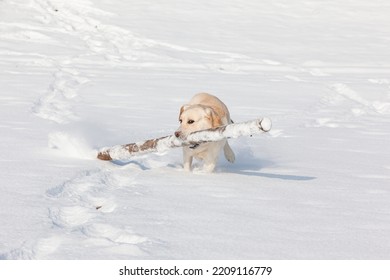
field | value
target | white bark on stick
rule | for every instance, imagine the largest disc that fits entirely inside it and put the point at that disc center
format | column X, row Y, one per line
column 123, row 152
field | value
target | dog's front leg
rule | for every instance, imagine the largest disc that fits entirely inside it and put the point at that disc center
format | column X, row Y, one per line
column 187, row 159
column 210, row 162
column 209, row 166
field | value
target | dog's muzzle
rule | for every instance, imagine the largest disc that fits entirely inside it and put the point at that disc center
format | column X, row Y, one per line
column 178, row 134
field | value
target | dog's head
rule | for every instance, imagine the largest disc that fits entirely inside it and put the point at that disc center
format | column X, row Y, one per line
column 196, row 117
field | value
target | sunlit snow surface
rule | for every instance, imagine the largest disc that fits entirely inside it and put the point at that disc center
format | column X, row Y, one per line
column 79, row 75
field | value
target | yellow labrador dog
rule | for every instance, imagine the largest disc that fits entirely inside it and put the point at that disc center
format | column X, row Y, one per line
column 202, row 112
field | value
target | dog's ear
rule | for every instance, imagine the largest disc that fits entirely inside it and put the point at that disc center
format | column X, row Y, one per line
column 213, row 117
column 181, row 111
column 183, row 108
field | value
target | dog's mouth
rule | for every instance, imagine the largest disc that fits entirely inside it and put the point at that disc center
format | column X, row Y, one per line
column 194, row 146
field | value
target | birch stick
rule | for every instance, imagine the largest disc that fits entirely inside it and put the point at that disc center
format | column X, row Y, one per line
column 162, row 144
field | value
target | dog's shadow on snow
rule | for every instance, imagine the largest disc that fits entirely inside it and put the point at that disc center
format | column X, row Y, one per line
column 249, row 165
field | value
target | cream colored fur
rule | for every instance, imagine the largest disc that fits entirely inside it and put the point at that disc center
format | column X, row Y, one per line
column 202, row 112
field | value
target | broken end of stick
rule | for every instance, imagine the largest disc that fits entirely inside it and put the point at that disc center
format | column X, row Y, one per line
column 265, row 124
column 104, row 155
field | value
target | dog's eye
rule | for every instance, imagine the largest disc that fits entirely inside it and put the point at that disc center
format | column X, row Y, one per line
column 180, row 121
column 190, row 121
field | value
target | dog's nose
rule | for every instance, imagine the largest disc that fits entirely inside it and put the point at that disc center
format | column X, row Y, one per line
column 177, row 133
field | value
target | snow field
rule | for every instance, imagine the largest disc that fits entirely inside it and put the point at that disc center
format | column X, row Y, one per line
column 80, row 75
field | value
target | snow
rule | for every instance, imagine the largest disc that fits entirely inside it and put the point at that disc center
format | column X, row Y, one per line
column 79, row 75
